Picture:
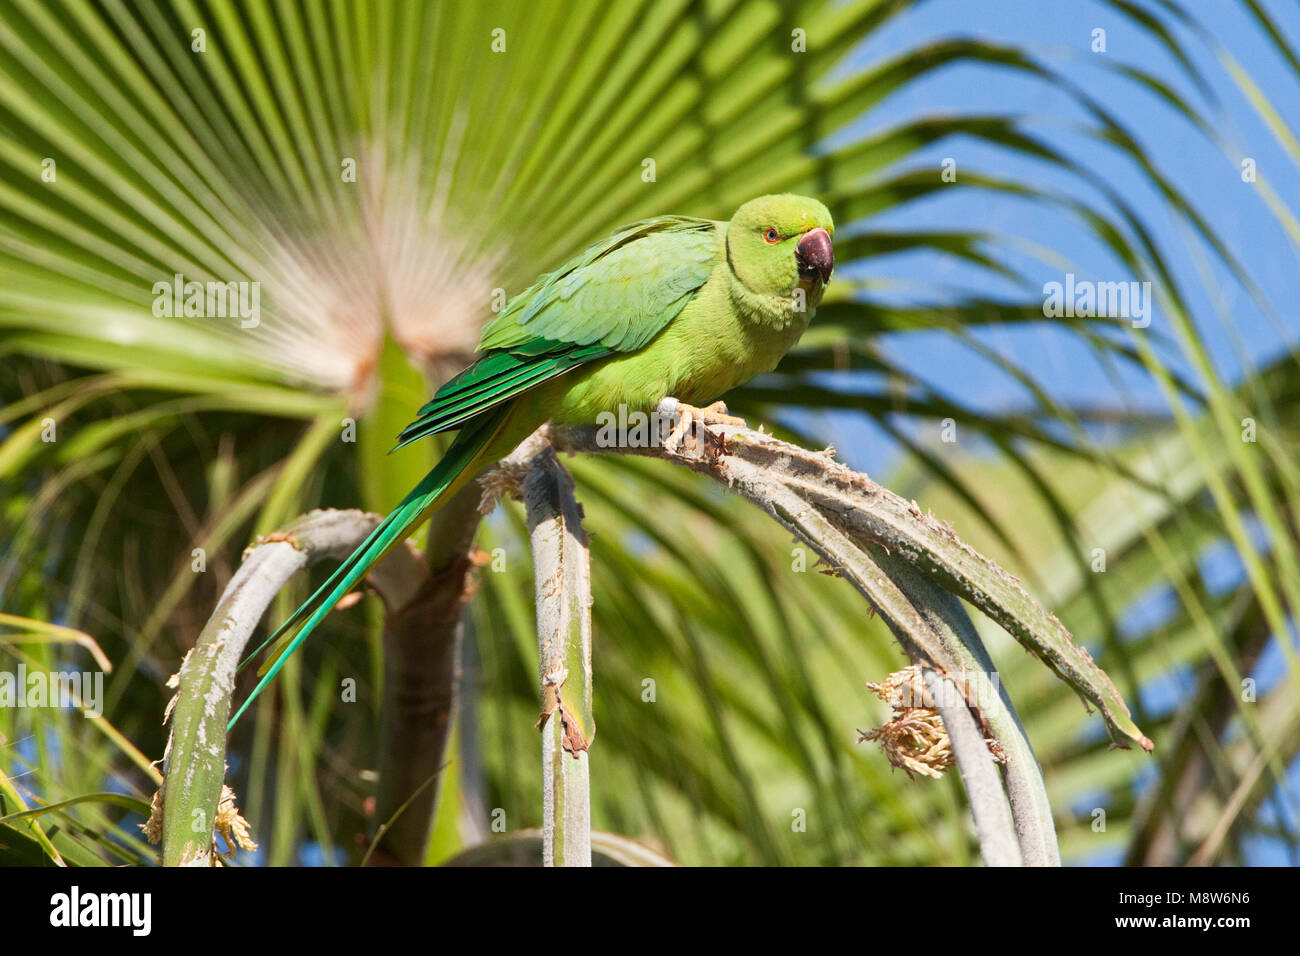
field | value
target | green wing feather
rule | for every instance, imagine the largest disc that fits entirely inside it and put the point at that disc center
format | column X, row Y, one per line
column 511, row 373
column 614, row 297
column 620, row 292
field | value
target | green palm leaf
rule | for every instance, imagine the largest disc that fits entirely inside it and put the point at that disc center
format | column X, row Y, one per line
column 476, row 170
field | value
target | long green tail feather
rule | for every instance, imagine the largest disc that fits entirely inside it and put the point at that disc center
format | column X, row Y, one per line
column 395, row 528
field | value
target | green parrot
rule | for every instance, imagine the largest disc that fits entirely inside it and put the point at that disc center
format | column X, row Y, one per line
column 667, row 307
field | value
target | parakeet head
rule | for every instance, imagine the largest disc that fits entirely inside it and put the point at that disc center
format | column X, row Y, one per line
column 775, row 243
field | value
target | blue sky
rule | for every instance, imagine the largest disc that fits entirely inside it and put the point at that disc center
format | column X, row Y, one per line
column 1236, row 331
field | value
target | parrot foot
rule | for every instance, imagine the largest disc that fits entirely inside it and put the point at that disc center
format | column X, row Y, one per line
column 688, row 415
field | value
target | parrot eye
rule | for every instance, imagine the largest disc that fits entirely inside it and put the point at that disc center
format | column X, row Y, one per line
column 771, row 235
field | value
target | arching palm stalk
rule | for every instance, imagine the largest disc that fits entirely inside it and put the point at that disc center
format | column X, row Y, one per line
column 380, row 170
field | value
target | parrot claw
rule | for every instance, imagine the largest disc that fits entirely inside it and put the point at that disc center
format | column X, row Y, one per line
column 688, row 415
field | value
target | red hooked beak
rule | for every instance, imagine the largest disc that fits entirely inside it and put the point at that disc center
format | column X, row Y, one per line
column 815, row 255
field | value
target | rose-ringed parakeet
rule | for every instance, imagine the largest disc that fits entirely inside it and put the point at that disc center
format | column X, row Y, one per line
column 673, row 306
